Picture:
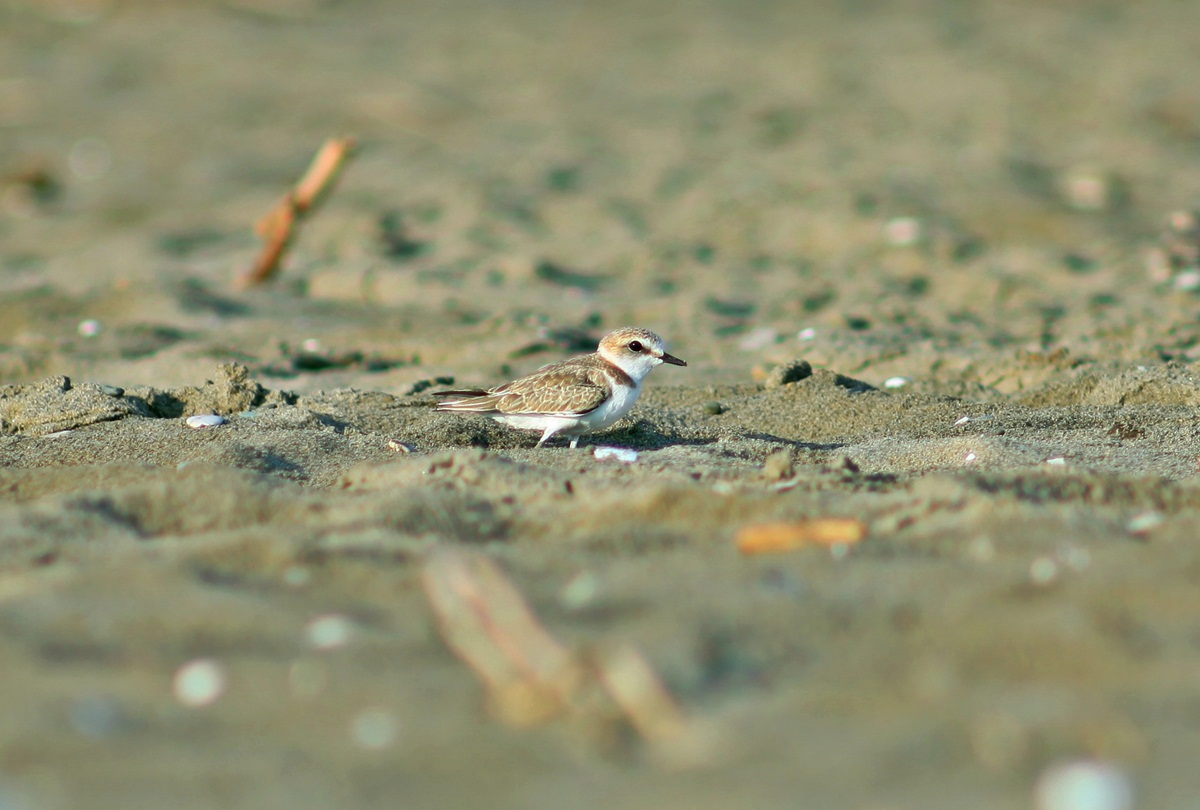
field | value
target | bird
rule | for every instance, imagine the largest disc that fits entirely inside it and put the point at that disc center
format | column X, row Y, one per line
column 575, row 396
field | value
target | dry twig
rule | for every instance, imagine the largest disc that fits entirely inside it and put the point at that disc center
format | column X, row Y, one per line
column 531, row 678
column 764, row 538
column 279, row 226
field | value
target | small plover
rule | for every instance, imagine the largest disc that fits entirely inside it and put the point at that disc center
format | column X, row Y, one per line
column 575, row 396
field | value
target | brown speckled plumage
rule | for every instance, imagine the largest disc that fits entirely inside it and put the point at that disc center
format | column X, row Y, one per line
column 575, row 396
column 573, row 387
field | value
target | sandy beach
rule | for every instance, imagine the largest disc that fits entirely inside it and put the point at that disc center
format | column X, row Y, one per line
column 932, row 269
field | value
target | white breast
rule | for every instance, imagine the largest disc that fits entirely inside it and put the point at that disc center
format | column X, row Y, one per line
column 622, row 400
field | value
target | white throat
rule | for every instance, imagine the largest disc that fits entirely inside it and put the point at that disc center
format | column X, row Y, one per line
column 636, row 366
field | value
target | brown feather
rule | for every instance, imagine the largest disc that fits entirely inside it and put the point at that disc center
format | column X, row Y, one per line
column 573, row 387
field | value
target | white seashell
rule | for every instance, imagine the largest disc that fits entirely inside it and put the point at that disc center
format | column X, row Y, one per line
column 330, row 631
column 896, row 382
column 203, row 420
column 616, row 453
column 1083, row 785
column 200, row 683
column 399, row 446
column 1144, row 523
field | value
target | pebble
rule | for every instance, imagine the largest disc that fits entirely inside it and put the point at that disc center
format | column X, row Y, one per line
column 1144, row 523
column 112, row 390
column 200, row 683
column 580, row 591
column 400, row 447
column 1057, row 461
column 204, row 420
column 374, row 729
column 713, row 408
column 779, row 465
column 902, row 231
column 616, row 453
column 1043, row 571
column 1187, row 280
column 1083, row 785
column 330, row 631
column 1085, row 188
column 896, row 382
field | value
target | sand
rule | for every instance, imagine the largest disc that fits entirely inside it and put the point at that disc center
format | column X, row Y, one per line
column 915, row 254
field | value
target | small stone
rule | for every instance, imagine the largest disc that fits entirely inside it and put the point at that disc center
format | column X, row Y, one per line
column 1187, row 280
column 1043, row 571
column 902, row 231
column 400, row 447
column 112, row 390
column 205, row 420
column 896, row 382
column 1143, row 524
column 580, row 591
column 788, row 373
column 374, row 729
column 1086, row 188
column 330, row 631
column 200, row 683
column 1083, row 785
column 778, row 466
column 713, row 408
column 621, row 454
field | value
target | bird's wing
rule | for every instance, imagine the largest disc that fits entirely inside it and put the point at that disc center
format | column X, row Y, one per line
column 557, row 391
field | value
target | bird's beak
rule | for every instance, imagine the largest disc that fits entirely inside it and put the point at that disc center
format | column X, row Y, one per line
column 673, row 360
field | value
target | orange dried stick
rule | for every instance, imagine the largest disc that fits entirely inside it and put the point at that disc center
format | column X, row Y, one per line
column 765, row 538
column 322, row 172
column 279, row 226
column 278, row 235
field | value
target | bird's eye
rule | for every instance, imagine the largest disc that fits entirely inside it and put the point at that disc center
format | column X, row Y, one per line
column 635, row 346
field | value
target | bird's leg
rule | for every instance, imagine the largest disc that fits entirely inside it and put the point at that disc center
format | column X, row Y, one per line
column 550, row 431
